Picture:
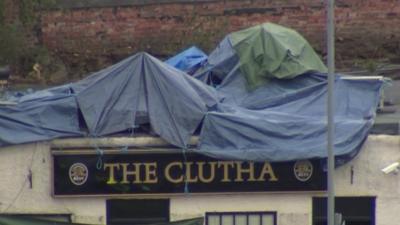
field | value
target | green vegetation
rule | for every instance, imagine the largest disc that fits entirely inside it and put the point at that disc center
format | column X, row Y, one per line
column 19, row 48
column 11, row 44
column 28, row 10
column 2, row 8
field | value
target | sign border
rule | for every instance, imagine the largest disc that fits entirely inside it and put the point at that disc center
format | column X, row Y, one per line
column 113, row 150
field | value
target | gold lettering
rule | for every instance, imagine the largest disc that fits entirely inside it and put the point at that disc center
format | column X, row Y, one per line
column 201, row 171
column 267, row 169
column 111, row 167
column 150, row 173
column 188, row 176
column 226, row 165
column 167, row 172
column 135, row 172
column 240, row 170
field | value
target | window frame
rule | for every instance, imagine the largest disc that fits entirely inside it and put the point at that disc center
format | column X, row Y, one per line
column 341, row 200
column 111, row 219
column 246, row 213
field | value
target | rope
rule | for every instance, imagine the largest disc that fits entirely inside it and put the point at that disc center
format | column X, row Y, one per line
column 100, row 153
column 125, row 148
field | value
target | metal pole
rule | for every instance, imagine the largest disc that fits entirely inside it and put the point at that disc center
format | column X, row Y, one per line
column 330, row 109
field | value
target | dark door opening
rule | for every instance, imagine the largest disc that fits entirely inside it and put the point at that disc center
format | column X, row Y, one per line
column 355, row 210
column 137, row 211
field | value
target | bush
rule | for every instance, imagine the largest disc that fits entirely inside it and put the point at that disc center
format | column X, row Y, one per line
column 18, row 46
column 12, row 44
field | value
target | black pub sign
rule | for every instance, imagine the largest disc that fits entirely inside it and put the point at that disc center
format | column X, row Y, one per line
column 164, row 172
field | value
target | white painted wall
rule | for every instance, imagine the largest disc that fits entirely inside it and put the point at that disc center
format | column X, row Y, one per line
column 17, row 197
column 293, row 208
column 378, row 152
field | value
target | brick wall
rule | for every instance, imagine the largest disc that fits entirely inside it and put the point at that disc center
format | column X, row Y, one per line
column 10, row 14
column 364, row 28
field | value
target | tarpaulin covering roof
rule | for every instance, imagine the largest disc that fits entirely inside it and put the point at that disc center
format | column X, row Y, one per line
column 140, row 89
column 263, row 52
column 43, row 115
column 189, row 60
column 219, row 63
column 280, row 120
column 172, row 102
column 286, row 120
column 269, row 50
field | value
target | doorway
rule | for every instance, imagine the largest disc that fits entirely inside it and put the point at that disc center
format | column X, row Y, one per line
column 137, row 211
column 354, row 210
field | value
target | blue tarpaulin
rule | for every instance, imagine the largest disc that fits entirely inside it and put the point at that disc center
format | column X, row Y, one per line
column 280, row 120
column 219, row 63
column 40, row 116
column 286, row 120
column 189, row 60
column 140, row 89
column 173, row 103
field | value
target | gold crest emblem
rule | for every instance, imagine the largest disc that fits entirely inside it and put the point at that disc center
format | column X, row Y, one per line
column 303, row 170
column 78, row 173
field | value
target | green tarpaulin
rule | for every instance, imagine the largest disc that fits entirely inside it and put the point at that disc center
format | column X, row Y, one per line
column 272, row 51
column 194, row 221
column 26, row 220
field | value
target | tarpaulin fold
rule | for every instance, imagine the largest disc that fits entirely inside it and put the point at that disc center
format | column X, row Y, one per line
column 219, row 63
column 43, row 115
column 278, row 120
column 188, row 60
column 282, row 124
column 137, row 90
column 173, row 102
column 272, row 51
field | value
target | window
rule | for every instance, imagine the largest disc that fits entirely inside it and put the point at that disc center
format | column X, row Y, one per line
column 137, row 211
column 354, row 210
column 241, row 218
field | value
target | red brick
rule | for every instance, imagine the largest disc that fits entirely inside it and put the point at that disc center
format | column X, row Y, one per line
column 167, row 28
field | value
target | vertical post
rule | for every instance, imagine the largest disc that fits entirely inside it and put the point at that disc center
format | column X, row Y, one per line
column 330, row 109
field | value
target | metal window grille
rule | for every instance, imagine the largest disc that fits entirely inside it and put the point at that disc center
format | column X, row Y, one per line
column 241, row 218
